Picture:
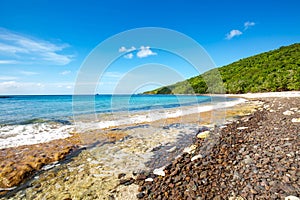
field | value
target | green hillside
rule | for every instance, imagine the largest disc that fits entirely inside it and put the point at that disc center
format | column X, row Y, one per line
column 277, row 70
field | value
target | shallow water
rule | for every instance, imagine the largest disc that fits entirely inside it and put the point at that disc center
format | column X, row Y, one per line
column 44, row 130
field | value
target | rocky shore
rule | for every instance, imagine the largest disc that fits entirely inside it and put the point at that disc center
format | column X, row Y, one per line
column 256, row 157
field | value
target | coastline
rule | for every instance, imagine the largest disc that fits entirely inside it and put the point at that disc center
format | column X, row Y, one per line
column 137, row 147
column 255, row 157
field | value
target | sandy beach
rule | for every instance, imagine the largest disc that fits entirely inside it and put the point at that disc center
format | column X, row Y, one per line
column 119, row 162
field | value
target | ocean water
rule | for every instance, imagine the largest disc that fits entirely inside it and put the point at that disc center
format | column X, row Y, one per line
column 39, row 108
column 26, row 120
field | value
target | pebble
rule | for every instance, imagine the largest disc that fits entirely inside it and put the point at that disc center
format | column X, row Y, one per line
column 159, row 172
column 172, row 149
column 149, row 179
column 291, row 198
column 203, row 135
column 242, row 128
column 190, row 149
column 288, row 112
column 296, row 120
column 260, row 163
column 196, row 157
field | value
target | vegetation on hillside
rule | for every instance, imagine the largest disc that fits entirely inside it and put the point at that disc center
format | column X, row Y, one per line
column 277, row 70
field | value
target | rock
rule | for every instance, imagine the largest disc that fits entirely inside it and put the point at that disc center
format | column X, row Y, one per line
column 247, row 160
column 236, row 198
column 291, row 198
column 288, row 112
column 203, row 135
column 242, row 128
column 172, row 149
column 121, row 175
column 190, row 149
column 196, row 157
column 140, row 195
column 296, row 120
column 149, row 179
column 203, row 174
column 141, row 177
column 159, row 172
column 125, row 181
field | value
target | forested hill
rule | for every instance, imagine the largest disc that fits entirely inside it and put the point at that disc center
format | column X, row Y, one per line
column 277, row 70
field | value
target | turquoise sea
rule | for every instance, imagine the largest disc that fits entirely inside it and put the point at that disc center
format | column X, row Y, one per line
column 35, row 108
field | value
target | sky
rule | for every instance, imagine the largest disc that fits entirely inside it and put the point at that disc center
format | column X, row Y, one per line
column 44, row 44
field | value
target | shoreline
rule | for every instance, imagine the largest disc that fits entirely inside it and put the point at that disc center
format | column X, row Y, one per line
column 31, row 134
column 255, row 157
column 123, row 135
column 112, row 136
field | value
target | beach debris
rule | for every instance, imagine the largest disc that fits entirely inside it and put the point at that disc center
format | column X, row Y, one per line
column 296, row 120
column 291, row 198
column 203, row 135
column 190, row 149
column 159, row 172
column 196, row 157
column 242, row 128
column 288, row 112
column 149, row 179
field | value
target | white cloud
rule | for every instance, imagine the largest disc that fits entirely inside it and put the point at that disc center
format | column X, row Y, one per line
column 17, row 87
column 248, row 24
column 28, row 73
column 14, row 87
column 145, row 52
column 8, row 62
column 65, row 72
column 232, row 34
column 25, row 48
column 129, row 56
column 124, row 49
column 8, row 78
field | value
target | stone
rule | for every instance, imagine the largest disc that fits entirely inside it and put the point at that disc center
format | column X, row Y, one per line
column 247, row 160
column 288, row 112
column 203, row 135
column 242, row 128
column 159, row 172
column 296, row 120
column 141, row 177
column 190, row 149
column 203, row 174
column 140, row 195
column 149, row 179
column 291, row 198
column 172, row 149
column 196, row 157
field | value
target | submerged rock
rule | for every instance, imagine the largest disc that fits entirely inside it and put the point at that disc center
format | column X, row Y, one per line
column 203, row 135
column 190, row 149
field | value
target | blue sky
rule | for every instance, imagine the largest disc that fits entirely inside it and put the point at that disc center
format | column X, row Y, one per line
column 44, row 43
